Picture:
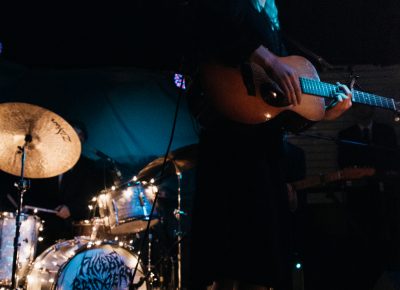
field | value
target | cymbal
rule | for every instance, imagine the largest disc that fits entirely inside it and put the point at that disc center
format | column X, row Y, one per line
column 181, row 159
column 54, row 147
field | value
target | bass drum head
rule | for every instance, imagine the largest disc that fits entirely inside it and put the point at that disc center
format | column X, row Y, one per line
column 104, row 266
column 46, row 266
column 84, row 264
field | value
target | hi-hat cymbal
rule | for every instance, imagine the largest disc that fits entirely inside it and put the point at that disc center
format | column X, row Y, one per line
column 181, row 159
column 54, row 145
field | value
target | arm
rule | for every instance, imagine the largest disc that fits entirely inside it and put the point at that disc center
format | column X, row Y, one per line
column 233, row 31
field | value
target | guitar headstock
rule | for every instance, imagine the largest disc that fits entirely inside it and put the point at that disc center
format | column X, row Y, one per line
column 357, row 172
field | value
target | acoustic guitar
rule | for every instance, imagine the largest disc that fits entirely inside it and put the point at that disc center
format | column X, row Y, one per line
column 228, row 93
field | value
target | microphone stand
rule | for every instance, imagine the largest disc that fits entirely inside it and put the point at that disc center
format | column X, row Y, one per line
column 22, row 186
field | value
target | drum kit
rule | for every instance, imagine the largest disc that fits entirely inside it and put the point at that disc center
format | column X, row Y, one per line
column 37, row 143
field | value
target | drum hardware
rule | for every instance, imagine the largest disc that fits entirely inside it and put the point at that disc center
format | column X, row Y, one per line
column 181, row 159
column 28, row 129
column 149, row 253
column 156, row 279
column 22, row 186
column 179, row 233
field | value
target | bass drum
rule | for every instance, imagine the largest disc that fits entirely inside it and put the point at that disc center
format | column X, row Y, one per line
column 84, row 264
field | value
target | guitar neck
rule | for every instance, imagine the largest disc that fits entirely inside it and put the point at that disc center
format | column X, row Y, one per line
column 314, row 181
column 323, row 179
column 321, row 89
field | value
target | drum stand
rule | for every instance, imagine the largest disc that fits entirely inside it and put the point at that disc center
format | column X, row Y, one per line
column 178, row 233
column 22, row 186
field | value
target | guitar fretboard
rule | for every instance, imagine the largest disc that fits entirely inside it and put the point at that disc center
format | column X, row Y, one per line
column 326, row 90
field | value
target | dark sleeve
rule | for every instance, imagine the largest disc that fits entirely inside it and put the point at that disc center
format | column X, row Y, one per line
column 230, row 30
column 295, row 163
column 388, row 159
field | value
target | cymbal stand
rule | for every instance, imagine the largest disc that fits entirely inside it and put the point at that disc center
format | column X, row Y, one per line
column 150, row 275
column 149, row 252
column 22, row 186
column 178, row 233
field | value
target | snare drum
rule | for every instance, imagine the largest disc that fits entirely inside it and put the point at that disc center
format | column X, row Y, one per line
column 93, row 228
column 128, row 211
column 29, row 231
column 82, row 263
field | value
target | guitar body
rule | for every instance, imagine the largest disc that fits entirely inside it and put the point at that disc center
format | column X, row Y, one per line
column 227, row 93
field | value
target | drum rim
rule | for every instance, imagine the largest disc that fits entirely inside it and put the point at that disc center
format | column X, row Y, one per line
column 13, row 215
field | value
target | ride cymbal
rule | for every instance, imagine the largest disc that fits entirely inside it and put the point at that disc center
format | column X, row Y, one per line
column 181, row 159
column 52, row 145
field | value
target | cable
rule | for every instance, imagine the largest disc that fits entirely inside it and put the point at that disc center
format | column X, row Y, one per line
column 146, row 233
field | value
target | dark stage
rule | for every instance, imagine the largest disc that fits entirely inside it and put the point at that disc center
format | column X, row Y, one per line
column 108, row 71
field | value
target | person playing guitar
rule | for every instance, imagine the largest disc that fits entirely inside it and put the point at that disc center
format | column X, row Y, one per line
column 245, row 87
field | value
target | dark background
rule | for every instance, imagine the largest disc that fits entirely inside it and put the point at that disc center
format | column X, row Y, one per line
column 129, row 111
column 154, row 34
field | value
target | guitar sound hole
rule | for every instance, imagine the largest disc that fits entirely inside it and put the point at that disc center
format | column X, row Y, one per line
column 272, row 96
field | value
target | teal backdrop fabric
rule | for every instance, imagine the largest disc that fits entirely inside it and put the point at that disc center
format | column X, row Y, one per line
column 128, row 112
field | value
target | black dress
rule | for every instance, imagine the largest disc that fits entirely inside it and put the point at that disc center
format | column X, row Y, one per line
column 240, row 219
